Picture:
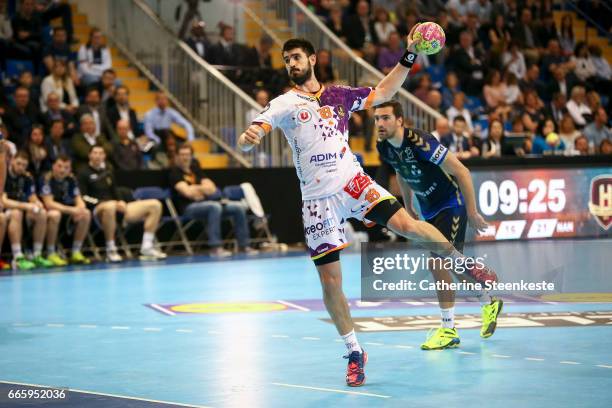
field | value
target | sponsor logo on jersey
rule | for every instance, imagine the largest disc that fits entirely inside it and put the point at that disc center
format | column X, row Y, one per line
column 357, row 185
column 323, row 157
column 438, row 153
column 600, row 204
column 372, row 195
column 341, row 111
column 304, row 115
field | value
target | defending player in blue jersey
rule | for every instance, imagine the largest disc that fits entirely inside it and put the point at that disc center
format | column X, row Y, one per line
column 443, row 187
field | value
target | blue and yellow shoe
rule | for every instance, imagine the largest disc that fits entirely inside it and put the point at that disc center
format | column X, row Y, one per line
column 355, row 376
column 490, row 313
column 442, row 338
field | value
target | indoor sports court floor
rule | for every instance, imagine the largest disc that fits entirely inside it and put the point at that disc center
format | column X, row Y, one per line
column 252, row 333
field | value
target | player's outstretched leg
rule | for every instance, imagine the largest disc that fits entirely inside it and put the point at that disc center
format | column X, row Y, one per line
column 330, row 275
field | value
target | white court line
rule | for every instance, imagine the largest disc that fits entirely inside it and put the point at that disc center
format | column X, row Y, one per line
column 120, row 328
column 106, row 395
column 569, row 362
column 21, row 324
column 533, row 359
column 162, row 309
column 500, row 356
column 152, row 329
column 403, row 347
column 87, row 326
column 338, row 340
column 293, row 305
column 311, row 338
column 365, row 394
column 54, row 325
column 465, row 352
column 603, row 366
column 374, row 344
column 280, row 336
column 184, row 331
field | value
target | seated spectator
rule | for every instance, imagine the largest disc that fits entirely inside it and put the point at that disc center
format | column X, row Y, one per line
column 458, row 9
column 442, row 128
column 598, row 131
column 434, row 100
column 449, row 89
column 578, row 108
column 198, row 41
column 120, row 109
column 59, row 50
column 126, row 153
column 39, row 162
column 581, row 146
column 557, row 108
column 83, row 141
column 97, row 184
column 458, row 141
column 568, row 133
column 524, row 34
column 546, row 141
column 547, row 30
column 605, row 147
column 566, row 34
column 27, row 31
column 493, row 146
column 389, row 55
column 61, row 84
column 55, row 112
column 602, row 66
column 468, row 62
column 263, row 52
column 458, row 109
column 586, row 71
column 93, row 107
column 52, row 9
column 106, row 87
column 533, row 111
column 512, row 95
column 335, row 22
column 262, row 97
column 553, row 59
column 58, row 143
column 94, row 58
column 561, row 82
column 60, row 193
column 383, row 26
column 483, row 9
column 513, row 61
column 20, row 118
column 494, row 93
column 20, row 198
column 192, row 191
column 158, row 120
column 359, row 28
column 593, row 100
column 323, row 69
column 423, row 87
column 27, row 81
column 227, row 51
column 532, row 80
column 430, row 9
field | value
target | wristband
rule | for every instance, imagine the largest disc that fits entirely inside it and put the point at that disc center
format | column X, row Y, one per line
column 408, row 59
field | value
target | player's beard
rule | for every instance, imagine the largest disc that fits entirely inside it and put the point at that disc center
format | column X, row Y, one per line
column 301, row 79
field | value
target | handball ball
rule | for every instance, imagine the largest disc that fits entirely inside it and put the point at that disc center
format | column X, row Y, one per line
column 432, row 38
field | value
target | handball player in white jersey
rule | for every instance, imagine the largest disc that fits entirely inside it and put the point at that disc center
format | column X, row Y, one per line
column 314, row 119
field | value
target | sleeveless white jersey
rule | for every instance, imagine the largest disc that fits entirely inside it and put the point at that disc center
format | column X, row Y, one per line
column 316, row 127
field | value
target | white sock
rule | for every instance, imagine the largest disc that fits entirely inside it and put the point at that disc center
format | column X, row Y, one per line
column 16, row 248
column 147, row 240
column 51, row 249
column 448, row 317
column 38, row 246
column 350, row 340
column 110, row 245
column 76, row 246
column 484, row 297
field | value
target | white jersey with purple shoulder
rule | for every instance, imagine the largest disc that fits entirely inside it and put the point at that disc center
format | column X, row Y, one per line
column 316, row 127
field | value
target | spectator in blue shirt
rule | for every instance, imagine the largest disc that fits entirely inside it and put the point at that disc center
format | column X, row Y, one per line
column 158, row 120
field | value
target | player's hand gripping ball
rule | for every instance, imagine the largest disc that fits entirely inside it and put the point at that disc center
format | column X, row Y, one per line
column 429, row 37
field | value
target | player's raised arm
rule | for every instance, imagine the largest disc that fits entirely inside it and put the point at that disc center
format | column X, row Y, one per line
column 394, row 80
column 454, row 167
column 251, row 137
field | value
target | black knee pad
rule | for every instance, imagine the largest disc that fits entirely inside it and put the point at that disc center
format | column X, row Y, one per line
column 383, row 211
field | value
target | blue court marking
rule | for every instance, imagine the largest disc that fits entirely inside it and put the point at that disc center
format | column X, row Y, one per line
column 91, row 331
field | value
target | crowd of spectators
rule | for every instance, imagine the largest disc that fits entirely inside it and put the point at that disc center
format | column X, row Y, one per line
column 68, row 126
column 505, row 61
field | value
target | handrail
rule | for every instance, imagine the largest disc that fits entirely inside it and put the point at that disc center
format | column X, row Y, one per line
column 583, row 14
column 352, row 68
column 218, row 108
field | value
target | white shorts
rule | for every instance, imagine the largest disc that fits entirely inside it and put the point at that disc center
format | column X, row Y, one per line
column 324, row 218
